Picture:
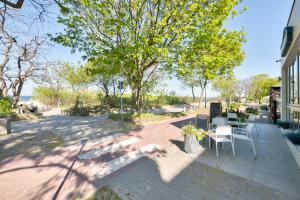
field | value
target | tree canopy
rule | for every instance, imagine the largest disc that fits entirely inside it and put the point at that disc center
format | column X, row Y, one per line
column 142, row 36
column 260, row 86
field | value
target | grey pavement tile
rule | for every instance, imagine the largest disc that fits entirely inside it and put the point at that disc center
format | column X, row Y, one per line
column 295, row 173
column 283, row 184
column 195, row 181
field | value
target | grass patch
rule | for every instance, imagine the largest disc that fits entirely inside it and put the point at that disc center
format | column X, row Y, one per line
column 144, row 117
column 104, row 193
column 28, row 143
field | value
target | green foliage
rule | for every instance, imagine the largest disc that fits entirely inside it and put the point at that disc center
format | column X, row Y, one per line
column 5, row 106
column 76, row 77
column 234, row 106
column 260, row 86
column 46, row 95
column 190, row 129
column 128, row 117
column 139, row 38
column 294, row 137
column 251, row 110
column 227, row 87
column 283, row 124
column 142, row 116
column 66, row 98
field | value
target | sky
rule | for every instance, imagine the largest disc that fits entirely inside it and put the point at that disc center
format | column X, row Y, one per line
column 263, row 22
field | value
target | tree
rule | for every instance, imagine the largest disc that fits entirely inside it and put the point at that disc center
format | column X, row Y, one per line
column 104, row 73
column 20, row 48
column 260, row 86
column 52, row 79
column 23, row 55
column 227, row 88
column 205, row 61
column 139, row 37
column 190, row 81
column 213, row 51
column 77, row 78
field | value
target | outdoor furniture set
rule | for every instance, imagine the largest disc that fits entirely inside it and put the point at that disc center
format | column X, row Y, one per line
column 221, row 131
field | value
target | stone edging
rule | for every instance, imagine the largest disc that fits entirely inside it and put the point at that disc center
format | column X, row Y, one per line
column 295, row 151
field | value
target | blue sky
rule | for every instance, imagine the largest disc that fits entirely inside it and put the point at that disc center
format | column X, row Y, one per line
column 263, row 22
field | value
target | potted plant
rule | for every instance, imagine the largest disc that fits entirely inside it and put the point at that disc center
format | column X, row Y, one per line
column 192, row 136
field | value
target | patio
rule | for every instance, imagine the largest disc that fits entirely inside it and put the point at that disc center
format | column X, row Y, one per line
column 274, row 165
column 273, row 174
column 169, row 174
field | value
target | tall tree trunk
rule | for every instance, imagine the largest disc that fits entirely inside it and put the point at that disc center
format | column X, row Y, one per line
column 16, row 89
column 114, row 86
column 193, row 93
column 202, row 88
column 4, row 62
column 136, row 99
column 106, row 89
column 201, row 96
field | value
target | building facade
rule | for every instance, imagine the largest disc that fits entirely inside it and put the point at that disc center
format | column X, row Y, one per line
column 290, row 64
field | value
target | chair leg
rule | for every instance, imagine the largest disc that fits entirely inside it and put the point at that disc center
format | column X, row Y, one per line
column 253, row 146
column 232, row 144
column 256, row 129
column 217, row 152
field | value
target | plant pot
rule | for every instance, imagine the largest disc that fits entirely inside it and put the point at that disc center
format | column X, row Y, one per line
column 191, row 144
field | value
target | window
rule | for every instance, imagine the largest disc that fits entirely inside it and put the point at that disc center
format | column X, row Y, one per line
column 291, row 84
column 295, row 121
column 298, row 78
column 295, row 82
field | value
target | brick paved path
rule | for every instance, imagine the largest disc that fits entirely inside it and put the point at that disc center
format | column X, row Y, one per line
column 119, row 161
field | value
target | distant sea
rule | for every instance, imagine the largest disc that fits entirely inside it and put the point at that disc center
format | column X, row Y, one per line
column 25, row 98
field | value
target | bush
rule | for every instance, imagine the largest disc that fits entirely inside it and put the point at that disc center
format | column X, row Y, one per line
column 50, row 96
column 128, row 117
column 294, row 137
column 115, row 101
column 282, row 124
column 251, row 110
column 234, row 106
column 5, row 107
column 190, row 129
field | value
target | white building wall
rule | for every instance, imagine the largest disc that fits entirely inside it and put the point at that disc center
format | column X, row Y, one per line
column 286, row 61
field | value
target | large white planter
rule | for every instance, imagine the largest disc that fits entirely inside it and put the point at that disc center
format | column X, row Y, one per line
column 5, row 127
column 191, row 144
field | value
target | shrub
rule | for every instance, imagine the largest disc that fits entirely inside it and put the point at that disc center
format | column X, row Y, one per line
column 294, row 137
column 5, row 107
column 282, row 124
column 234, row 106
column 190, row 129
column 251, row 110
column 50, row 96
column 128, row 117
column 173, row 100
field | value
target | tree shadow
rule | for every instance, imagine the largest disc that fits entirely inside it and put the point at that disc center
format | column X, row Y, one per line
column 29, row 144
column 181, row 123
column 75, row 128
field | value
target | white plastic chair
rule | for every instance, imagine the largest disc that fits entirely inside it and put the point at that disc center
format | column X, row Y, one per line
column 252, row 119
column 245, row 134
column 222, row 134
column 218, row 121
column 232, row 119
